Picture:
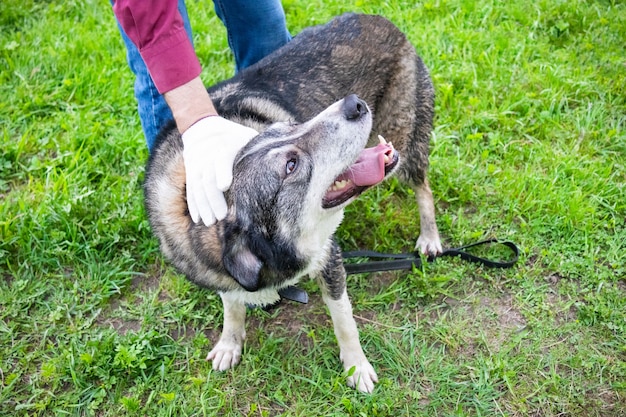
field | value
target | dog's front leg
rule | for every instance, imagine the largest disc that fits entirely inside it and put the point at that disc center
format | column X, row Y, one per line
column 350, row 352
column 335, row 296
column 227, row 353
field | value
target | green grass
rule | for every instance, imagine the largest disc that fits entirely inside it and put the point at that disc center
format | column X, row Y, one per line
column 529, row 145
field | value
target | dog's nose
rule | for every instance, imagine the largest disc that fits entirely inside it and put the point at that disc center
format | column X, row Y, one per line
column 353, row 107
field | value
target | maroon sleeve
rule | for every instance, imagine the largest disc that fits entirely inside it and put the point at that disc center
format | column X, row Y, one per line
column 157, row 29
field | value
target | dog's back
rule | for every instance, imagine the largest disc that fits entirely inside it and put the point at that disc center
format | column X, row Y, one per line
column 362, row 54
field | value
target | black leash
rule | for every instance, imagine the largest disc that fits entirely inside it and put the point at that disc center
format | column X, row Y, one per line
column 400, row 261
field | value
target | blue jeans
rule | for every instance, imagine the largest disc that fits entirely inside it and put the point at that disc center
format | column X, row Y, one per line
column 255, row 29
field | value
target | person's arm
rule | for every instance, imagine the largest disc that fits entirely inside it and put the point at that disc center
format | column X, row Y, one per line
column 158, row 31
column 189, row 103
column 210, row 144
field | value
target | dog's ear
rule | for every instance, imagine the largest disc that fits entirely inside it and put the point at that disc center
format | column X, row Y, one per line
column 243, row 265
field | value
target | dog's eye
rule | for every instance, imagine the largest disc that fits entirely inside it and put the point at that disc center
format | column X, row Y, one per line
column 291, row 166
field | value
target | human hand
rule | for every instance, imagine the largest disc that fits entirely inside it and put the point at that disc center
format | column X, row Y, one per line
column 210, row 147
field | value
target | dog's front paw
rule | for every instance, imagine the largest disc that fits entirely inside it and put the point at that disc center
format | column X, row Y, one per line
column 361, row 376
column 429, row 246
column 225, row 355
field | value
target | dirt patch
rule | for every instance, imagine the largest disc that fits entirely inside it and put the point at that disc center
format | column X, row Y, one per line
column 378, row 282
column 292, row 320
column 506, row 319
column 116, row 315
column 121, row 326
column 7, row 278
column 146, row 282
column 554, row 278
column 113, row 317
column 564, row 310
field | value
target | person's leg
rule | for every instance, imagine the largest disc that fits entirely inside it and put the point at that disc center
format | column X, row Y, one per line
column 255, row 28
column 152, row 108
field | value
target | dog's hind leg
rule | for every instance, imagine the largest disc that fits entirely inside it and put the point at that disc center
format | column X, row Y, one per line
column 413, row 172
column 361, row 374
column 428, row 242
column 408, row 109
column 227, row 353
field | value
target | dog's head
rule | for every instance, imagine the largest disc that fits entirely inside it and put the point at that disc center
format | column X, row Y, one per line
column 290, row 185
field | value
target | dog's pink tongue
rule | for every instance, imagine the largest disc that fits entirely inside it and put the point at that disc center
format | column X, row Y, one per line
column 369, row 168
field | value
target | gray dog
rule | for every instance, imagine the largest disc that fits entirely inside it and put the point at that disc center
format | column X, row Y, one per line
column 292, row 181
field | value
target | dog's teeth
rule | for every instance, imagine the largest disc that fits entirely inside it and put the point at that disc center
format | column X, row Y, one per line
column 387, row 159
column 339, row 185
column 382, row 140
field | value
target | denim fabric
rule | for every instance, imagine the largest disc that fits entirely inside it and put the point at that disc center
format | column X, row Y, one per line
column 151, row 106
column 255, row 29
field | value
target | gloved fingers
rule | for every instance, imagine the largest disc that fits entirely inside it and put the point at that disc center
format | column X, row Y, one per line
column 217, row 202
column 192, row 206
column 210, row 148
column 223, row 173
column 204, row 206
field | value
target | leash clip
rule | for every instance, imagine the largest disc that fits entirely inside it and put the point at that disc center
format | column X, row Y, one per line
column 294, row 293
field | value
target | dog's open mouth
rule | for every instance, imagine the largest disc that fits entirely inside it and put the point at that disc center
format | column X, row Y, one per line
column 370, row 168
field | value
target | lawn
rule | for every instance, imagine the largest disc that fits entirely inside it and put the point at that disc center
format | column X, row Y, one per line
column 529, row 145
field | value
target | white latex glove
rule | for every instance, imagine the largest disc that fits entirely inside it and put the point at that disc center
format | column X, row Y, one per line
column 210, row 147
